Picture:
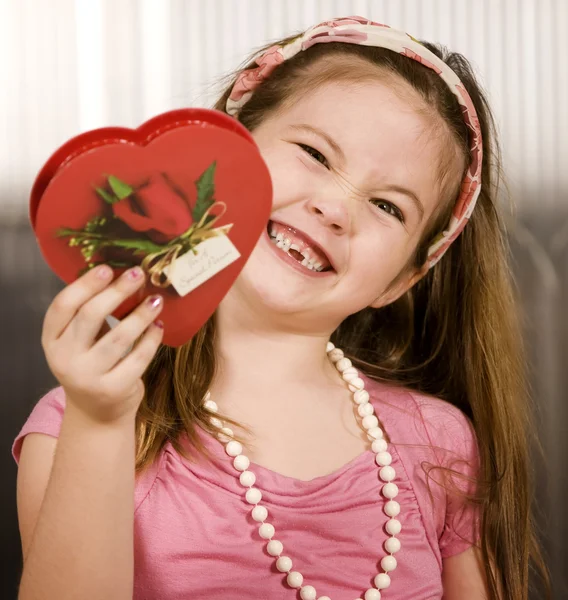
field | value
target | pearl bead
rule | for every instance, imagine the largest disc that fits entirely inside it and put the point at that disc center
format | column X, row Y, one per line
column 387, row 473
column 392, row 508
column 335, row 355
column 233, row 448
column 356, row 384
column 370, row 421
column 350, row 371
column 254, row 495
column 216, row 422
column 295, row 579
column 383, row 459
column 308, row 592
column 349, row 376
column 382, row 581
column 284, row 564
column 372, row 594
column 266, row 531
column 379, row 446
column 274, row 547
column 247, row 478
column 324, row 598
column 342, row 364
column 365, row 409
column 226, row 434
column 393, row 526
column 259, row 513
column 329, row 347
column 211, row 406
column 392, row 545
column 241, row 462
column 388, row 563
column 390, row 490
column 361, row 396
column 375, row 433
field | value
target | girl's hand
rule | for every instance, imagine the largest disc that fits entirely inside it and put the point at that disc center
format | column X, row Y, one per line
column 99, row 381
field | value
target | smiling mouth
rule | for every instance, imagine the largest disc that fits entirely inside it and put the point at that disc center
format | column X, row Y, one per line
column 294, row 244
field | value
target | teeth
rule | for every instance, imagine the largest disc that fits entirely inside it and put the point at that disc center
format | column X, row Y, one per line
column 286, row 245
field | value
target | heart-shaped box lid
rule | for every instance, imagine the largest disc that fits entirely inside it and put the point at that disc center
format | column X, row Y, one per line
column 186, row 196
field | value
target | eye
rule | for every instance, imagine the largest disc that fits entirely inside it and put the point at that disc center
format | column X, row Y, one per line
column 389, row 208
column 315, row 154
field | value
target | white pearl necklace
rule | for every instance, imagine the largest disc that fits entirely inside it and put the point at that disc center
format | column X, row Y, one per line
column 387, row 474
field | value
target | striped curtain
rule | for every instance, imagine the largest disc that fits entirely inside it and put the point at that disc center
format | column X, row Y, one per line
column 72, row 65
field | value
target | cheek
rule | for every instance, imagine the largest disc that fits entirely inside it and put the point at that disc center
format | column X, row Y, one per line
column 380, row 255
column 290, row 178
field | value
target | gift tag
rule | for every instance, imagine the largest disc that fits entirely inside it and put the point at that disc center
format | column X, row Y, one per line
column 207, row 259
column 186, row 196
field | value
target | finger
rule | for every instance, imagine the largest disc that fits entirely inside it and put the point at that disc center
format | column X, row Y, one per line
column 133, row 366
column 90, row 317
column 65, row 305
column 110, row 349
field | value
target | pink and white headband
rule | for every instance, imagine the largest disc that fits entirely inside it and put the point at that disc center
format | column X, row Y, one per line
column 357, row 30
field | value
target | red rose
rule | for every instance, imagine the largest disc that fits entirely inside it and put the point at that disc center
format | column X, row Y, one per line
column 155, row 208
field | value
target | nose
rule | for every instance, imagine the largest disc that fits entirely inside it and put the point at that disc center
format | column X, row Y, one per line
column 331, row 212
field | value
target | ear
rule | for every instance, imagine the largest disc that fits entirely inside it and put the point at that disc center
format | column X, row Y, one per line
column 400, row 287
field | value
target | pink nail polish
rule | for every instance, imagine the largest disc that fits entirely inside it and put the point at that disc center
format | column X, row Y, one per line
column 154, row 301
column 104, row 272
column 135, row 273
column 159, row 324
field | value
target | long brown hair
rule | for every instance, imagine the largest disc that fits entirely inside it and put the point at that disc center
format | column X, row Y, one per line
column 454, row 335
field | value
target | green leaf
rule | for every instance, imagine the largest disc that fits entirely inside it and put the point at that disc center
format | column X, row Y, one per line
column 205, row 191
column 121, row 190
column 136, row 245
column 106, row 196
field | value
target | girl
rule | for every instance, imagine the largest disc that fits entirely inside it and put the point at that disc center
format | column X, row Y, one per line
column 390, row 462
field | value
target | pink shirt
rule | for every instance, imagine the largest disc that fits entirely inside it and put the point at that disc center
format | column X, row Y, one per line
column 194, row 537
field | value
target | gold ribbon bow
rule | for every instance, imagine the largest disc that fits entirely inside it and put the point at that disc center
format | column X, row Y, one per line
column 196, row 234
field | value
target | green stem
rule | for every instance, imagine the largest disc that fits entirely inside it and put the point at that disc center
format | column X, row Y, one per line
column 104, row 240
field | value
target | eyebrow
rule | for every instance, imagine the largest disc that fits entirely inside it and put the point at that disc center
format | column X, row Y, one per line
column 337, row 149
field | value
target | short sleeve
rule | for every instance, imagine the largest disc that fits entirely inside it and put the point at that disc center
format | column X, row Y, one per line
column 46, row 417
column 455, row 443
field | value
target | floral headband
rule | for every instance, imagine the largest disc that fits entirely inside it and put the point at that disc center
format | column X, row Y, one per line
column 357, row 30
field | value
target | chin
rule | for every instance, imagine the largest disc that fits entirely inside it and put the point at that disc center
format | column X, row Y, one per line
column 264, row 286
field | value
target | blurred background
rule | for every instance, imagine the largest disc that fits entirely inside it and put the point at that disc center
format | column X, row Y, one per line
column 67, row 66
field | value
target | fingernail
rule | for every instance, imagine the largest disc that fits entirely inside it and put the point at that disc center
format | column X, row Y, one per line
column 135, row 273
column 103, row 271
column 154, row 301
column 159, row 324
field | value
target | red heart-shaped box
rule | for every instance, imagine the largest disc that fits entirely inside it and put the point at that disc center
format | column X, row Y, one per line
column 118, row 195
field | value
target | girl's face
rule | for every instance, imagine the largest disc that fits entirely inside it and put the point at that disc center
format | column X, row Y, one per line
column 355, row 170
